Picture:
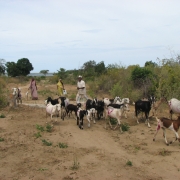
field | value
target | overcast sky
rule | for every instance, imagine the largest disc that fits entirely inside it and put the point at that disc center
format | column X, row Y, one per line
column 56, row 34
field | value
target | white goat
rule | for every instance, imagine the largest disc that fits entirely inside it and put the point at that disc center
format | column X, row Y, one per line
column 14, row 96
column 53, row 110
column 115, row 113
column 174, row 105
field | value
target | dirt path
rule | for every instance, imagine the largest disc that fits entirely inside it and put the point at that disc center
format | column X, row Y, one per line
column 92, row 153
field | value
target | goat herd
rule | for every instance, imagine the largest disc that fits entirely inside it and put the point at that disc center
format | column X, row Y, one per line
column 116, row 108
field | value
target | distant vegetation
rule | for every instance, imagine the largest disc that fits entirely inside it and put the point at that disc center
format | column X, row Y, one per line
column 159, row 79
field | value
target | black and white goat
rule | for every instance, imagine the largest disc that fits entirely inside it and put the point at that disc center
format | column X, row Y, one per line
column 52, row 101
column 166, row 123
column 80, row 116
column 91, row 111
column 100, row 109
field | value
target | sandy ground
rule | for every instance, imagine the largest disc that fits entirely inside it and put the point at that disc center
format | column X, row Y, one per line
column 94, row 153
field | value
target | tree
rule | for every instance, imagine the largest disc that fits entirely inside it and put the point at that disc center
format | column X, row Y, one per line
column 24, row 66
column 44, row 72
column 150, row 63
column 100, row 68
column 2, row 67
column 62, row 73
column 11, row 69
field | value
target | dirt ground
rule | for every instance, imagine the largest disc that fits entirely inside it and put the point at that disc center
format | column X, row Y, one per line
column 93, row 153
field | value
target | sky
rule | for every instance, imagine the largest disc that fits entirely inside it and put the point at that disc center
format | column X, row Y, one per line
column 56, row 34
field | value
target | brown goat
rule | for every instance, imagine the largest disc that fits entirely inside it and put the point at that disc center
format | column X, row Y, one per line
column 166, row 123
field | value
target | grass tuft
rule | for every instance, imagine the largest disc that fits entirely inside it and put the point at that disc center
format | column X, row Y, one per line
column 75, row 164
column 46, row 143
column 39, row 127
column 62, row 145
column 129, row 163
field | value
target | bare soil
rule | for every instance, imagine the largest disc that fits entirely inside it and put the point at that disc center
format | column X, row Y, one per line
column 93, row 153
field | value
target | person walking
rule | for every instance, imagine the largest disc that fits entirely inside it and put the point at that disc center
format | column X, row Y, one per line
column 60, row 87
column 33, row 88
column 81, row 87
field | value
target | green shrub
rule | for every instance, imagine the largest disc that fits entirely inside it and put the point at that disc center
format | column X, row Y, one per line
column 129, row 163
column 1, row 139
column 125, row 127
column 39, row 127
column 2, row 116
column 37, row 135
column 46, row 142
column 49, row 128
column 62, row 145
column 113, row 121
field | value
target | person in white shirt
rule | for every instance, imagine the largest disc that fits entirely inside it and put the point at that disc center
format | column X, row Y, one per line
column 81, row 87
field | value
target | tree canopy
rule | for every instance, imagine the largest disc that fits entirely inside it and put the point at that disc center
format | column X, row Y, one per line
column 21, row 68
column 44, row 72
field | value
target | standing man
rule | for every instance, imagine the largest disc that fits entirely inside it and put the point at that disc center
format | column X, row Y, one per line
column 81, row 87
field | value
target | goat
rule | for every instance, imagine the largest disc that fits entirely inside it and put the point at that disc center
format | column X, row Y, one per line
column 100, row 109
column 123, row 101
column 116, row 113
column 143, row 106
column 91, row 114
column 70, row 108
column 64, row 103
column 174, row 107
column 80, row 117
column 14, row 96
column 53, row 110
column 166, row 123
column 19, row 96
column 117, row 100
column 52, row 101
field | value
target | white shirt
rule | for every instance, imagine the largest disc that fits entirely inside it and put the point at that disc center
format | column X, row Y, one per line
column 81, row 84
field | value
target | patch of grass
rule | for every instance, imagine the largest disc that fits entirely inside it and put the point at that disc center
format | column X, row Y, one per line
column 42, row 169
column 46, row 143
column 72, row 97
column 49, row 128
column 137, row 147
column 1, row 139
column 46, row 92
column 37, row 135
column 68, row 178
column 129, row 163
column 125, row 127
column 113, row 121
column 75, row 164
column 62, row 145
column 39, row 127
column 2, row 116
column 164, row 152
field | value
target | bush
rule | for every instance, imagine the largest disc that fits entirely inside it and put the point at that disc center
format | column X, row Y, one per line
column 3, row 96
column 125, row 127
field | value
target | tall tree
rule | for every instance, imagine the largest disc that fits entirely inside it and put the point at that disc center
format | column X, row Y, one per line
column 24, row 66
column 11, row 69
column 100, row 68
column 62, row 73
